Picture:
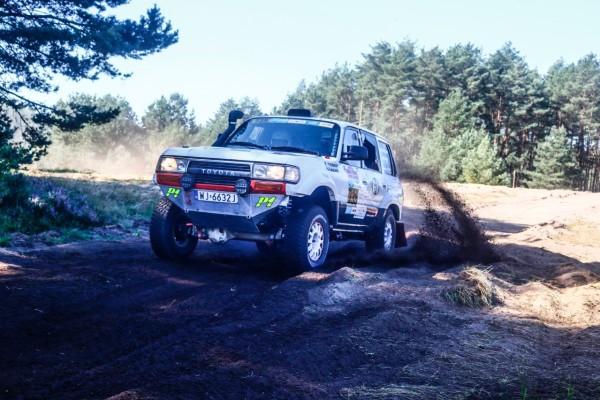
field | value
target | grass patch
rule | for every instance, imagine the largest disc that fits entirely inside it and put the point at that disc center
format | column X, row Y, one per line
column 474, row 289
column 67, row 235
column 62, row 171
column 115, row 202
column 4, row 240
column 65, row 207
column 404, row 391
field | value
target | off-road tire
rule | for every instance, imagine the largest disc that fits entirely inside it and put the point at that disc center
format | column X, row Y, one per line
column 306, row 241
column 169, row 234
column 383, row 237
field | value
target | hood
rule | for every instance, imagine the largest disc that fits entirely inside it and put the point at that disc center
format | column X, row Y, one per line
column 238, row 154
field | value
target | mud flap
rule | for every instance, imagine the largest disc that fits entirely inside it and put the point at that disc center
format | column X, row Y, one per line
column 400, row 235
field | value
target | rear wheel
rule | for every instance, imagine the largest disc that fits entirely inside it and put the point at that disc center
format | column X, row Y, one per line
column 383, row 237
column 171, row 232
column 306, row 240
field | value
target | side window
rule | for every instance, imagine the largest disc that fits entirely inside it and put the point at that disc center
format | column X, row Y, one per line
column 351, row 138
column 372, row 162
column 387, row 160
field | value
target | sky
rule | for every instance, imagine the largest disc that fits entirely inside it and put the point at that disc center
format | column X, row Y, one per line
column 264, row 48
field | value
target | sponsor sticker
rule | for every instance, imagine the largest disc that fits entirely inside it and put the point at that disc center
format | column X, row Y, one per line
column 358, row 212
column 266, row 201
column 173, row 192
column 332, row 166
column 351, row 172
column 352, row 195
column 297, row 121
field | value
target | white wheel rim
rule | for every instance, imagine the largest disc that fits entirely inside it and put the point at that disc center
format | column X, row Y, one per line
column 316, row 241
column 387, row 236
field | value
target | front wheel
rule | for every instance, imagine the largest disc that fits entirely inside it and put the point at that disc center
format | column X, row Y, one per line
column 306, row 240
column 171, row 232
column 383, row 237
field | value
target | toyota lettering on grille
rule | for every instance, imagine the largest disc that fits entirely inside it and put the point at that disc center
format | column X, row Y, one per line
column 222, row 172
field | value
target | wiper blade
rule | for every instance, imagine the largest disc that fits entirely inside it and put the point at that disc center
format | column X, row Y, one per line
column 248, row 144
column 296, row 149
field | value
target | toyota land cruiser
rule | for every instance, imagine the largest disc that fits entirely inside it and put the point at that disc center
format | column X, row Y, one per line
column 289, row 183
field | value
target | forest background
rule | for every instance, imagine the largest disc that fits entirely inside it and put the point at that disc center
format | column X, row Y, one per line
column 454, row 114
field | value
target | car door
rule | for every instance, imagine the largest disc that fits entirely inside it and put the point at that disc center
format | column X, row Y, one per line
column 372, row 178
column 391, row 187
column 352, row 185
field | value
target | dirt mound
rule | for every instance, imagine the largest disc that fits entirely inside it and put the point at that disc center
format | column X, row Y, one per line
column 570, row 275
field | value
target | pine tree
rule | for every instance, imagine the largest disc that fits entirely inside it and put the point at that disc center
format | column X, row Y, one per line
column 429, row 86
column 456, row 116
column 481, row 165
column 458, row 150
column 554, row 163
column 77, row 39
column 574, row 91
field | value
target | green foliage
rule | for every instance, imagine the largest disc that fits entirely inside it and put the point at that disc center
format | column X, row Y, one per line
column 116, row 202
column 218, row 123
column 424, row 101
column 441, row 152
column 574, row 92
column 482, row 165
column 76, row 39
column 469, row 157
column 436, row 107
column 109, row 147
column 168, row 122
column 456, row 114
column 170, row 112
column 296, row 99
column 12, row 154
column 32, row 205
column 460, row 151
column 554, row 167
column 433, row 156
column 123, row 145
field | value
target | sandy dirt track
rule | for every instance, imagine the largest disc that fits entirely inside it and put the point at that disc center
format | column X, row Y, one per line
column 107, row 319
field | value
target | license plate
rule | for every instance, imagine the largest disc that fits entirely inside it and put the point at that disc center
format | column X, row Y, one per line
column 216, row 197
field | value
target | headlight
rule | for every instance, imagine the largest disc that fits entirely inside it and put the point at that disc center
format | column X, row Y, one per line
column 292, row 174
column 276, row 172
column 172, row 164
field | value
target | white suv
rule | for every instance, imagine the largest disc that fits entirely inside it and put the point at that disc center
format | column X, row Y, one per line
column 289, row 183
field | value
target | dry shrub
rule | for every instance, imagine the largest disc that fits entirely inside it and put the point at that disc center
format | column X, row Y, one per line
column 474, row 289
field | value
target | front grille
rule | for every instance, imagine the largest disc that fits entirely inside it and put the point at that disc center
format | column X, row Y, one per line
column 223, row 166
column 217, row 180
column 218, row 172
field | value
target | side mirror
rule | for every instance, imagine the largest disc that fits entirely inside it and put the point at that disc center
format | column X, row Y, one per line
column 356, row 153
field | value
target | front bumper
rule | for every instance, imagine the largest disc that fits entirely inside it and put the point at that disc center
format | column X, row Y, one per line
column 252, row 214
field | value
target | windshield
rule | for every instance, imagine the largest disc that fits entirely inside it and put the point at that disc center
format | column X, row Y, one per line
column 287, row 135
